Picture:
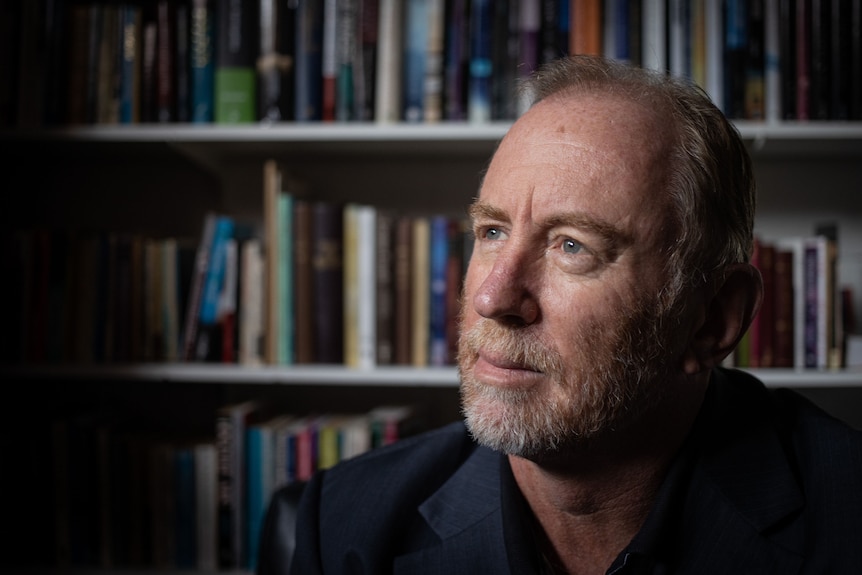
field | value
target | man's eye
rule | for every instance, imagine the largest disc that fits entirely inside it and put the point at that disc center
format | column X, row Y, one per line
column 492, row 234
column 572, row 247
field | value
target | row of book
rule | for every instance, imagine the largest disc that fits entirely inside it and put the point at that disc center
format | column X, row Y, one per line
column 318, row 282
column 806, row 312
column 229, row 61
column 128, row 500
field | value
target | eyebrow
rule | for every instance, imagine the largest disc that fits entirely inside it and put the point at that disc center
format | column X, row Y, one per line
column 610, row 234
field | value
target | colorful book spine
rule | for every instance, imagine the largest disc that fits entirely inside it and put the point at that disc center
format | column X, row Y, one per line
column 202, row 61
column 481, row 63
column 235, row 76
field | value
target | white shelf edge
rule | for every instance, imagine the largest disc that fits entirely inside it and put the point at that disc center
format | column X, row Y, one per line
column 396, row 132
column 391, row 376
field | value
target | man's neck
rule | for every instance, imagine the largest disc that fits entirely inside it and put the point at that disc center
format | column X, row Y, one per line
column 589, row 506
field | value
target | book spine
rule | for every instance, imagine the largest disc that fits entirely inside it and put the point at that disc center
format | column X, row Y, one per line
column 388, row 81
column 286, row 308
column 309, row 61
column 202, row 61
column 347, row 50
column 385, row 285
column 190, row 326
column 165, row 53
column 303, row 290
column 182, row 63
column 414, row 58
column 235, row 76
column 206, row 345
column 251, row 330
column 327, row 270
column 755, row 70
column 421, row 292
column 481, row 63
column 439, row 256
column 130, row 71
column 653, row 43
column 456, row 60
column 435, row 43
column 275, row 64
column 329, row 59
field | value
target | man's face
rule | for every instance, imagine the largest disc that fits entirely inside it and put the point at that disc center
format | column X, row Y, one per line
column 562, row 336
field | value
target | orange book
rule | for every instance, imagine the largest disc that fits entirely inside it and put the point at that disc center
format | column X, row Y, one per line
column 586, row 27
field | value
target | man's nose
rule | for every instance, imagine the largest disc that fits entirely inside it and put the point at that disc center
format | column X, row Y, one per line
column 507, row 292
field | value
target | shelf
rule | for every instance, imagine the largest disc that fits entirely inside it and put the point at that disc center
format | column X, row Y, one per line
column 394, row 376
column 445, row 138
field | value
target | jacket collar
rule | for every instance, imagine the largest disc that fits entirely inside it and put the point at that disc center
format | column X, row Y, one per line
column 737, row 514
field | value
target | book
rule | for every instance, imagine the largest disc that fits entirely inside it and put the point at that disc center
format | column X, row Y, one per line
column 271, row 245
column 439, row 243
column 820, row 60
column 309, row 61
column 285, row 290
column 795, row 245
column 235, row 77
column 755, row 62
column 432, row 89
column 505, row 60
column 166, row 80
column 329, row 59
column 206, row 502
column 182, row 62
column 388, row 78
column 416, row 18
column 185, row 546
column 421, row 293
column 303, row 281
column 481, row 63
column 586, row 27
column 230, row 425
column 327, row 280
column 348, row 54
column 208, row 344
column 456, row 59
column 360, row 315
column 529, row 25
column 403, row 290
column 202, row 42
column 226, row 314
column 251, row 309
column 202, row 258
column 276, row 70
column 130, row 66
column 802, row 23
column 735, row 61
column 366, row 78
column 384, row 264
column 787, row 57
column 654, row 29
column 260, row 480
column 784, row 309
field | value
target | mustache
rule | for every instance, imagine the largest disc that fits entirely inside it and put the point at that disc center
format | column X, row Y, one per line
column 519, row 346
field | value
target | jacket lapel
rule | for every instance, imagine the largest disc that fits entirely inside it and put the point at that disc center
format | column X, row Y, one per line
column 466, row 515
column 744, row 501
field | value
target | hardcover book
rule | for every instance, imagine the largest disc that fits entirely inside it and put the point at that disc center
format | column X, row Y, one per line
column 235, row 76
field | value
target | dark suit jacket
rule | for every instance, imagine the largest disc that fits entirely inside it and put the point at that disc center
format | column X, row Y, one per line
column 771, row 485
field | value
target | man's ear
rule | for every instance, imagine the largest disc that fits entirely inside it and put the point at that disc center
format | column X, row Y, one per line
column 726, row 316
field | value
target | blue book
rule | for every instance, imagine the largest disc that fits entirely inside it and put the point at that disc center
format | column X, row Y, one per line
column 184, row 485
column 130, row 49
column 258, row 452
column 415, row 49
column 208, row 317
column 202, row 66
column 439, row 258
column 479, row 100
column 309, row 61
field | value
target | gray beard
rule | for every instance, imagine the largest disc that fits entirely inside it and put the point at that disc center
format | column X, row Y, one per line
column 618, row 376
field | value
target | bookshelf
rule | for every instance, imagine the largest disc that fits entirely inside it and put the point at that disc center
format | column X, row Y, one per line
column 161, row 179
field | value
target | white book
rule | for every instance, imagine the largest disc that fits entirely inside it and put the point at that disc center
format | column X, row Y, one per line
column 796, row 246
column 714, row 53
column 654, row 55
column 251, row 310
column 360, row 283
column 387, row 103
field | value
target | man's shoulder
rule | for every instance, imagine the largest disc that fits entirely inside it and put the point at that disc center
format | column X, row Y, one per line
column 818, row 440
column 415, row 465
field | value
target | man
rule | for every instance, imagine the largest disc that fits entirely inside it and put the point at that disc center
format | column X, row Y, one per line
column 609, row 280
